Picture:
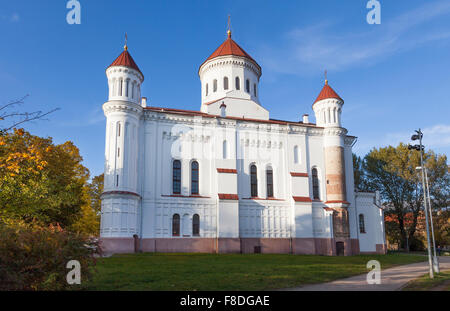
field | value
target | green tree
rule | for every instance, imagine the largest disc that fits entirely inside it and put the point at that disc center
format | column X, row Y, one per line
column 392, row 171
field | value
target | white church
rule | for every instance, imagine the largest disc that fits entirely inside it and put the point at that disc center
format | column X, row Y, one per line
column 228, row 178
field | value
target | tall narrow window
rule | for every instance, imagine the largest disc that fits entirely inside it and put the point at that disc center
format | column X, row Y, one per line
column 176, row 177
column 117, row 180
column 254, row 89
column 215, row 85
column 362, row 225
column 225, row 83
column 315, row 181
column 224, row 149
column 194, row 177
column 269, row 177
column 118, row 129
column 238, row 83
column 127, row 84
column 176, row 225
column 206, row 89
column 247, row 86
column 120, row 87
column 296, row 154
column 118, row 152
column 196, row 225
column 253, row 181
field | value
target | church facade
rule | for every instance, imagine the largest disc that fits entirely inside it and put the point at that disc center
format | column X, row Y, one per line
column 227, row 178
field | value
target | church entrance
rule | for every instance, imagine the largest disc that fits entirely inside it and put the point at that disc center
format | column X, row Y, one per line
column 340, row 248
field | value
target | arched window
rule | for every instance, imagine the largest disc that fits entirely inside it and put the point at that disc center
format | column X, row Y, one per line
column 247, row 86
column 269, row 178
column 196, row 225
column 176, row 225
column 225, row 83
column 296, row 155
column 254, row 89
column 194, row 177
column 224, row 149
column 215, row 85
column 206, row 89
column 253, row 181
column 120, row 87
column 315, row 182
column 238, row 83
column 176, row 177
column 362, row 226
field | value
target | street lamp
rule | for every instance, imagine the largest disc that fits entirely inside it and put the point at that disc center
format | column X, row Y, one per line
column 435, row 258
column 420, row 148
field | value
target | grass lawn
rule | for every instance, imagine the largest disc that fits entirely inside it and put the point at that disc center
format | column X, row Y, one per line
column 157, row 271
column 441, row 282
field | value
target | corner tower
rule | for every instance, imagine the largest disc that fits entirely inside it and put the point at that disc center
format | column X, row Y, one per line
column 123, row 111
column 327, row 109
column 230, row 78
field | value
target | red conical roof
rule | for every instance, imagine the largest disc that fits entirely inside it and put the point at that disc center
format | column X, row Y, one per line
column 229, row 47
column 327, row 92
column 126, row 60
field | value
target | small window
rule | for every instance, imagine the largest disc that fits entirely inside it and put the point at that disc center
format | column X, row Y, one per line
column 194, row 177
column 196, row 225
column 362, row 226
column 126, row 87
column 118, row 129
column 296, row 155
column 118, row 152
column 247, row 85
column 176, row 177
column 120, row 87
column 315, row 181
column 215, row 85
column 206, row 89
column 269, row 177
column 176, row 225
column 225, row 83
column 254, row 89
column 117, row 180
column 238, row 83
column 253, row 181
column 224, row 149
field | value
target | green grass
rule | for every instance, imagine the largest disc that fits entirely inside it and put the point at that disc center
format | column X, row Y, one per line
column 156, row 271
column 441, row 281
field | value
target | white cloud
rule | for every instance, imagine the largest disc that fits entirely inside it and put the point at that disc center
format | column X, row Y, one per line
column 322, row 46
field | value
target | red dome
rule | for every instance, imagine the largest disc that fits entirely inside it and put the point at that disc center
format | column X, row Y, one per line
column 230, row 47
column 327, row 92
column 126, row 60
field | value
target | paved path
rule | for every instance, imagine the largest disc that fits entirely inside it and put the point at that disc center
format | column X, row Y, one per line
column 391, row 279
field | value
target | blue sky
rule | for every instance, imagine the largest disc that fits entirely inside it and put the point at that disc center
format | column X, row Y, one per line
column 394, row 77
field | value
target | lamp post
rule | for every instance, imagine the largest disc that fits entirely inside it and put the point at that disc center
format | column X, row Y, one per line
column 435, row 259
column 420, row 148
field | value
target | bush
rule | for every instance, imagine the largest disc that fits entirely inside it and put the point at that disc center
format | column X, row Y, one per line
column 34, row 257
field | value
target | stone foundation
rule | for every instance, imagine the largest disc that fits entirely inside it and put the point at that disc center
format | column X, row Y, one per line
column 304, row 246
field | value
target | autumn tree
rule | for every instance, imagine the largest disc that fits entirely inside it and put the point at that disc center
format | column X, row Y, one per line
column 89, row 222
column 392, row 171
column 39, row 180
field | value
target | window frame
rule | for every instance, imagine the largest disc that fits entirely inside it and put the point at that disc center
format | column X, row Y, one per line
column 196, row 225
column 176, row 224
column 195, row 172
column 362, row 223
column 315, row 183
column 253, row 181
column 175, row 180
column 269, row 183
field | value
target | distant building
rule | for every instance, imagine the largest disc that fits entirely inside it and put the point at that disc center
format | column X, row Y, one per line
column 227, row 178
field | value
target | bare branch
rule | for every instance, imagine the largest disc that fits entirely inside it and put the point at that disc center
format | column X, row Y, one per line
column 20, row 117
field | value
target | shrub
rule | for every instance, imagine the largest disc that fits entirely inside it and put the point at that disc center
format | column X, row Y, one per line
column 33, row 257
